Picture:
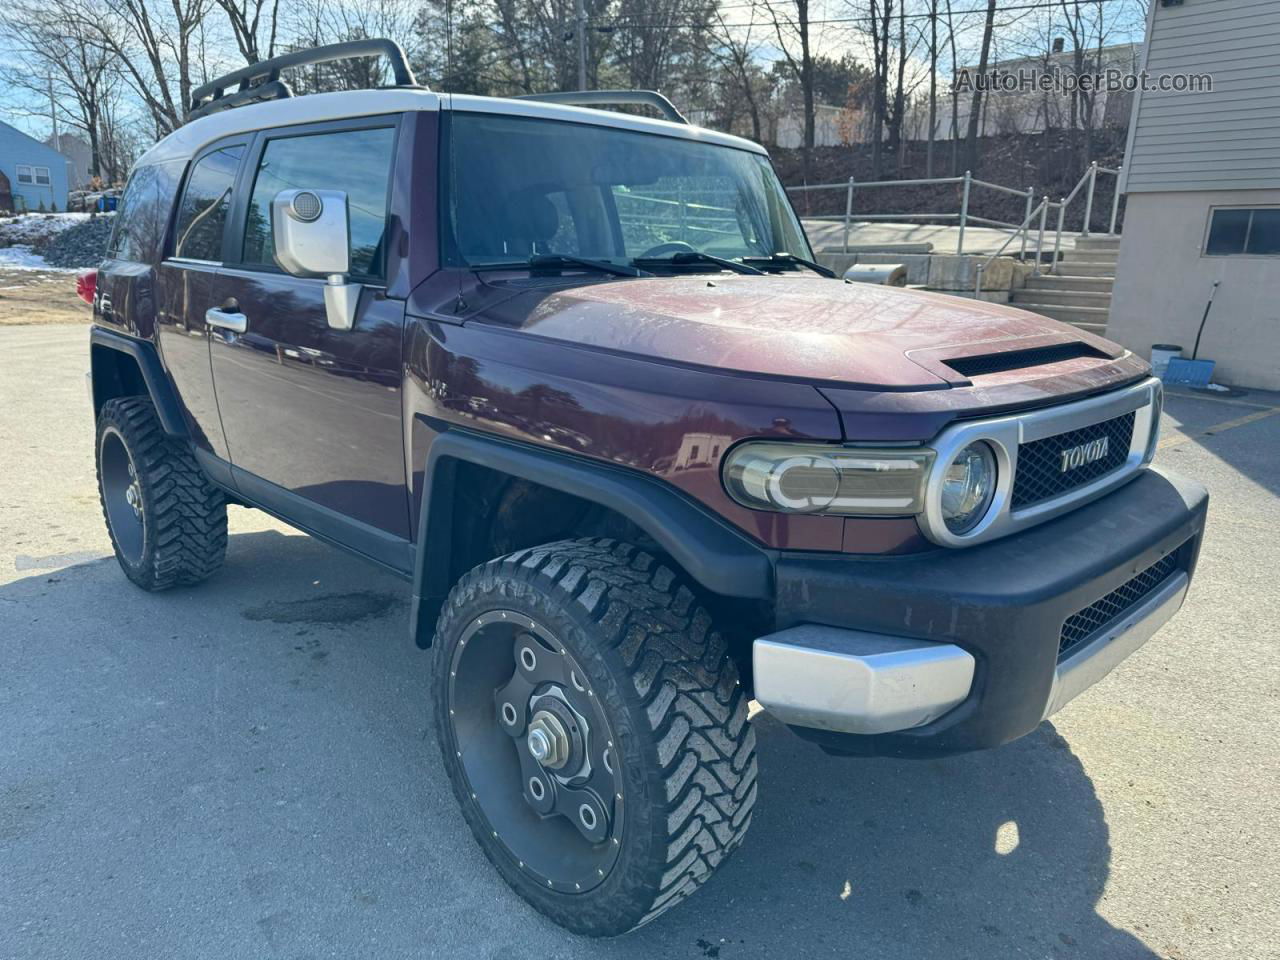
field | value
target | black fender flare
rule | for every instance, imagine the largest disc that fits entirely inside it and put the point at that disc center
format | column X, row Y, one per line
column 147, row 357
column 714, row 554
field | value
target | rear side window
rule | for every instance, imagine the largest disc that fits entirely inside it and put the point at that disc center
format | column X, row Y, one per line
column 355, row 161
column 144, row 211
column 203, row 214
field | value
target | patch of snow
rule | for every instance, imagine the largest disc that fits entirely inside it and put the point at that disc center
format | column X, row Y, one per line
column 30, row 227
column 20, row 257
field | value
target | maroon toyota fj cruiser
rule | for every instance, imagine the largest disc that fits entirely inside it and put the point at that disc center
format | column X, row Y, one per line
column 572, row 374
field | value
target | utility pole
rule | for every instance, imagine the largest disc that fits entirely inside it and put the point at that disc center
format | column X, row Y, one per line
column 581, row 31
column 53, row 115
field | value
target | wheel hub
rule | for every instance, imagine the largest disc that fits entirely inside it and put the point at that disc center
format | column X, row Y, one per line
column 560, row 766
column 548, row 741
column 133, row 494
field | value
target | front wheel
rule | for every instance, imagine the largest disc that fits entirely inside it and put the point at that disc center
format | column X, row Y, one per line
column 594, row 731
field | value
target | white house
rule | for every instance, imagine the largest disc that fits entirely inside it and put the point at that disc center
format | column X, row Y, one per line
column 831, row 127
column 1030, row 109
column 1202, row 178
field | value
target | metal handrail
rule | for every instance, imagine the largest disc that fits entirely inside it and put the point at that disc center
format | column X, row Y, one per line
column 964, row 217
column 1040, row 210
column 968, row 182
column 1090, row 177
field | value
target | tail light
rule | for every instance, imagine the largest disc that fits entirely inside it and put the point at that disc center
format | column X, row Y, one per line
column 86, row 285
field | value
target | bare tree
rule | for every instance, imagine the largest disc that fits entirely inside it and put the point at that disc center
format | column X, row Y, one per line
column 792, row 25
column 245, row 19
column 736, row 53
column 975, row 106
column 57, row 56
column 154, row 47
column 932, row 133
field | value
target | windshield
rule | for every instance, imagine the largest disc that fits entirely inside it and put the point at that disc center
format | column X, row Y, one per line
column 520, row 187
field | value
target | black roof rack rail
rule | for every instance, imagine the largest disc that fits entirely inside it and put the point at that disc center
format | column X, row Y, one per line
column 212, row 96
column 604, row 98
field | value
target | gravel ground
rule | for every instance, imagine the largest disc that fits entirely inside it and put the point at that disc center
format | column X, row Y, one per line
column 246, row 770
column 39, row 257
column 40, row 296
column 81, row 245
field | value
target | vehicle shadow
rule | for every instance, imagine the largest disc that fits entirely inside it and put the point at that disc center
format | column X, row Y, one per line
column 274, row 730
column 1241, row 432
column 993, row 854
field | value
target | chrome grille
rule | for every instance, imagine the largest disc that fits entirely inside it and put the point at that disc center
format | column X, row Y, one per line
column 1040, row 475
column 1082, row 625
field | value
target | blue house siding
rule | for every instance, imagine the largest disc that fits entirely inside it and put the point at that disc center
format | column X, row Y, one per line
column 17, row 150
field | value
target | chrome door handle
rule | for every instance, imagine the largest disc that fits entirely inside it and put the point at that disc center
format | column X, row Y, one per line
column 235, row 322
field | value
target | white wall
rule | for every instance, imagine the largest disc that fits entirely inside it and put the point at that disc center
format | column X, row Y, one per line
column 1163, row 281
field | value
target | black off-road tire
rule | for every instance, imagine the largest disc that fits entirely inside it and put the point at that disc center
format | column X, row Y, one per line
column 671, row 697
column 181, row 532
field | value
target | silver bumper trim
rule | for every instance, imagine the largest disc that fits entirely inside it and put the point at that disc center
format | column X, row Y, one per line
column 851, row 681
column 1095, row 659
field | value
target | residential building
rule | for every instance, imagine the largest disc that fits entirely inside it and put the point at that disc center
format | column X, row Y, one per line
column 1202, row 179
column 1035, row 110
column 79, row 155
column 32, row 176
column 831, row 127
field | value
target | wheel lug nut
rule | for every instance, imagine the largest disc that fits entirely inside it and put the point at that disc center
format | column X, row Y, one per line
column 539, row 745
column 547, row 740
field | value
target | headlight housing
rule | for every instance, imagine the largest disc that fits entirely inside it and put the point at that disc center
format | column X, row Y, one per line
column 822, row 478
column 968, row 487
column 960, row 485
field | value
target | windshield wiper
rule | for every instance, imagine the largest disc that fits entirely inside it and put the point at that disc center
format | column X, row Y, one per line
column 779, row 259
column 694, row 257
column 552, row 260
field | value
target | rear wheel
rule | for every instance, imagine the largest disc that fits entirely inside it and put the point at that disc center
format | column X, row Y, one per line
column 594, row 731
column 167, row 520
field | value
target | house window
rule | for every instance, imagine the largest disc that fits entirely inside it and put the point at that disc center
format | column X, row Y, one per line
column 1252, row 231
column 36, row 176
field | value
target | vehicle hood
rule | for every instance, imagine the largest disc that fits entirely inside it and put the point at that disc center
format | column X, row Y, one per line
column 824, row 331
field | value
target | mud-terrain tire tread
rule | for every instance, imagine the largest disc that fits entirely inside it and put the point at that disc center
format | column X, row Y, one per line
column 186, row 512
column 673, row 672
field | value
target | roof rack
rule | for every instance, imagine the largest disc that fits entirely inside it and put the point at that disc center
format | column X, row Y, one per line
column 212, row 96
column 602, row 98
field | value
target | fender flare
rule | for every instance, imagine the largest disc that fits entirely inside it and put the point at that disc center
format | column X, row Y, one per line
column 714, row 554
column 147, row 357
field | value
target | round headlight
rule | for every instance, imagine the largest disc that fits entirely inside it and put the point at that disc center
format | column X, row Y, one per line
column 968, row 487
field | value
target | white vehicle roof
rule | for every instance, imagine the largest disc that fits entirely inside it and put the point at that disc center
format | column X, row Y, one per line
column 314, row 108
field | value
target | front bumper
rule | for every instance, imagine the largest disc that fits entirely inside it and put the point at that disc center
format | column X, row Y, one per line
column 959, row 650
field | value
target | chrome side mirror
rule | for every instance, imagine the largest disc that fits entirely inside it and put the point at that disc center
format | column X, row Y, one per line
column 313, row 239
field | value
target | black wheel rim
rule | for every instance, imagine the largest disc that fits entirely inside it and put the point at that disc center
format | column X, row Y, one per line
column 514, row 689
column 122, row 495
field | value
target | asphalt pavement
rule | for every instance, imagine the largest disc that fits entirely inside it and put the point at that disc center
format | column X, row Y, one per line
column 246, row 769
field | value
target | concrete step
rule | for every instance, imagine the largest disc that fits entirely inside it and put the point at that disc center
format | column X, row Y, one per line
column 1089, row 318
column 1062, row 298
column 1086, row 268
column 1090, row 256
column 1098, row 241
column 1052, row 281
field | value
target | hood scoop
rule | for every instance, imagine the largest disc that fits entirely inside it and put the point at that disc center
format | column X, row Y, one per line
column 976, row 366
